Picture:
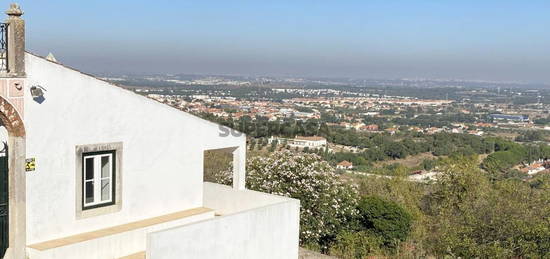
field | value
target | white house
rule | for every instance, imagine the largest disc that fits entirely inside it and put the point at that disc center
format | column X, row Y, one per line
column 95, row 171
column 301, row 142
column 344, row 165
column 311, row 142
column 534, row 168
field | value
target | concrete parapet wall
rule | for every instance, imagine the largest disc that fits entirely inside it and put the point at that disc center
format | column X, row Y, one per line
column 225, row 200
column 111, row 246
column 267, row 226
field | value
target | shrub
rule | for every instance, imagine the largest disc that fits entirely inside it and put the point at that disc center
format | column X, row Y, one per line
column 327, row 204
column 385, row 218
column 474, row 217
column 356, row 245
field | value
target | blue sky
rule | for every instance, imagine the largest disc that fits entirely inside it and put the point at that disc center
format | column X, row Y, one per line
column 490, row 40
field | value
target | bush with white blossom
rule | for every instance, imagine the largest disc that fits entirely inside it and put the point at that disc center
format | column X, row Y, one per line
column 327, row 203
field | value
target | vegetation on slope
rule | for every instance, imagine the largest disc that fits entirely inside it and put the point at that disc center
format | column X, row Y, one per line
column 466, row 213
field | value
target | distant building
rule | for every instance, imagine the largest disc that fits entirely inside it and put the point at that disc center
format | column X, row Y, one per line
column 371, row 127
column 346, row 125
column 476, row 132
column 416, row 129
column 302, row 142
column 358, row 126
column 456, row 130
column 392, row 130
column 311, row 142
column 304, row 114
column 533, row 169
column 433, row 130
column 510, row 117
column 371, row 113
column 345, row 165
column 484, row 125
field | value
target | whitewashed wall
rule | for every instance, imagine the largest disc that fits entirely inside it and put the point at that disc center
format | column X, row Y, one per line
column 266, row 227
column 162, row 167
column 111, row 246
column 225, row 200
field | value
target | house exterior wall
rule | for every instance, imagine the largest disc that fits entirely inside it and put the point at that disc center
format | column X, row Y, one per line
column 162, row 164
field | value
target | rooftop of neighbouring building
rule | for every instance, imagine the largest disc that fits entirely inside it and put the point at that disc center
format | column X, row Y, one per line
column 312, row 138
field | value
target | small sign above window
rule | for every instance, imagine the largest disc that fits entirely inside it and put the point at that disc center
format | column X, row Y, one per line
column 30, row 164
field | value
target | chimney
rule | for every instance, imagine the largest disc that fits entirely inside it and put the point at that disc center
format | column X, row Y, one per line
column 15, row 42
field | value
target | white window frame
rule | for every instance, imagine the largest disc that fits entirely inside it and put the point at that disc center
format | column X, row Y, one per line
column 97, row 179
column 115, row 205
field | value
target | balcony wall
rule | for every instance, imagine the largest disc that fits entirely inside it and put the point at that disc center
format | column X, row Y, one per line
column 251, row 225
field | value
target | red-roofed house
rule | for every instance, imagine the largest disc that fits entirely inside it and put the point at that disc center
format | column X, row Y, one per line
column 345, row 165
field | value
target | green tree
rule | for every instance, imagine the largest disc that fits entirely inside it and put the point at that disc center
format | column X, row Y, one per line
column 395, row 150
column 531, row 135
column 471, row 216
column 385, row 218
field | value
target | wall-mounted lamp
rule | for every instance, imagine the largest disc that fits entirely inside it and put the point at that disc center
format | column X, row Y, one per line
column 37, row 93
column 18, row 86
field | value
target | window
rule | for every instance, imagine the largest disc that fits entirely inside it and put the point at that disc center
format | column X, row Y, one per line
column 98, row 175
column 98, row 179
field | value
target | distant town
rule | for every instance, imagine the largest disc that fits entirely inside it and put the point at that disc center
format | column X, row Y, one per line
column 365, row 126
column 275, row 130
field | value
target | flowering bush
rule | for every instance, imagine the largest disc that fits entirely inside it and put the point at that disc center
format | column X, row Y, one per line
column 327, row 204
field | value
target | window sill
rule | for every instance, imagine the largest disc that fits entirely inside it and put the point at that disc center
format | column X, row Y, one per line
column 86, row 213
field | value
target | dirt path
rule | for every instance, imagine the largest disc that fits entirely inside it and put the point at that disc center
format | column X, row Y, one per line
column 308, row 254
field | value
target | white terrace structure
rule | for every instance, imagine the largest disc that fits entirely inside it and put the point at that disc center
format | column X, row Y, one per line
column 93, row 171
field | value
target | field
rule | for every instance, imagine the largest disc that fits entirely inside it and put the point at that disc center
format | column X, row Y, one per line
column 410, row 161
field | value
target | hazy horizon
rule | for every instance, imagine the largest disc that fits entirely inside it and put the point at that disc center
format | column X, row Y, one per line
column 464, row 40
